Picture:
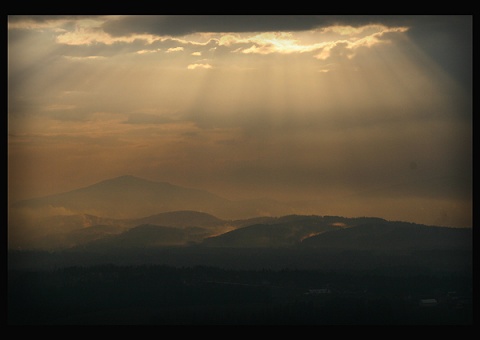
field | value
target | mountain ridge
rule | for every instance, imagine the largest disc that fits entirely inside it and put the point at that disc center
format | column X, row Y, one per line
column 129, row 196
column 127, row 201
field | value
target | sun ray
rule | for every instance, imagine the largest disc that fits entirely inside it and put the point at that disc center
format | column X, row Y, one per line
column 330, row 110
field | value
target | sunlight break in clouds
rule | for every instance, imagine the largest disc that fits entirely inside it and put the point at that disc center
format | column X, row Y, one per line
column 328, row 111
column 287, row 42
column 194, row 66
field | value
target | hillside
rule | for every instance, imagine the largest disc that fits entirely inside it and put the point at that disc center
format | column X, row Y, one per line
column 289, row 230
column 274, row 232
column 393, row 236
column 147, row 236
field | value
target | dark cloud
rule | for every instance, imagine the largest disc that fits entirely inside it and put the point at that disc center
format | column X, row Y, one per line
column 178, row 25
column 46, row 18
column 449, row 41
column 105, row 50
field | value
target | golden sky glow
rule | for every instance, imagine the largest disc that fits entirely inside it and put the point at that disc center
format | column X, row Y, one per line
column 356, row 118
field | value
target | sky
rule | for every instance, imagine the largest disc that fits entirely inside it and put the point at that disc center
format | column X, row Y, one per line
column 356, row 115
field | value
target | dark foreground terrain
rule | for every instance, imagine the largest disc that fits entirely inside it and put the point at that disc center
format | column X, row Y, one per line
column 310, row 289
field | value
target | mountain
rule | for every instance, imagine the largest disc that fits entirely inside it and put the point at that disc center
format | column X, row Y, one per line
column 340, row 233
column 274, row 232
column 292, row 241
column 386, row 235
column 148, row 236
column 264, row 235
column 288, row 230
column 129, row 197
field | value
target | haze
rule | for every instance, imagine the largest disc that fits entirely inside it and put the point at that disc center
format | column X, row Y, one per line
column 358, row 116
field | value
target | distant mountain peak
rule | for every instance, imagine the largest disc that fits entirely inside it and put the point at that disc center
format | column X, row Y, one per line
column 125, row 179
column 129, row 196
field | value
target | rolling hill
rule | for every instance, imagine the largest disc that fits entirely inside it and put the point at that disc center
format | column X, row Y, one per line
column 147, row 236
column 390, row 236
column 129, row 207
column 282, row 231
column 274, row 232
column 293, row 241
column 66, row 231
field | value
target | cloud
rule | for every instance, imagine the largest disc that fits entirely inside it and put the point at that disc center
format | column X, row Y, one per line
column 195, row 66
column 321, row 41
column 86, row 58
column 151, row 33
column 266, row 43
column 448, row 41
column 455, row 56
column 181, row 25
column 175, row 49
column 148, row 51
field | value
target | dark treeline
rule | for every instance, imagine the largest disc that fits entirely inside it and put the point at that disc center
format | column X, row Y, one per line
column 453, row 260
column 161, row 294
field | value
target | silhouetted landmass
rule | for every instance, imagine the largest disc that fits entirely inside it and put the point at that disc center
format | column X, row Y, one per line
column 165, row 295
column 157, row 254
column 355, row 272
column 266, row 235
column 454, row 260
column 303, row 242
column 392, row 236
column 283, row 231
column 292, row 230
column 147, row 236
